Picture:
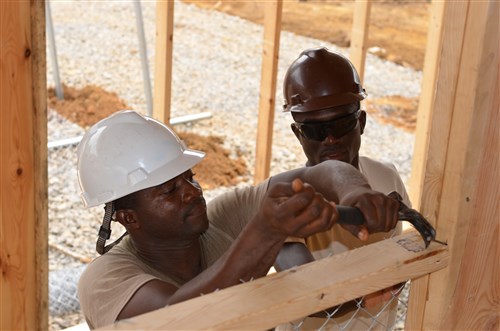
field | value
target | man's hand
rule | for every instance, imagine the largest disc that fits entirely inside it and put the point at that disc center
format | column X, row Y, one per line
column 379, row 210
column 296, row 210
column 375, row 299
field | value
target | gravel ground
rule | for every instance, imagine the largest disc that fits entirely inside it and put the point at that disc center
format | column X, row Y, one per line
column 216, row 68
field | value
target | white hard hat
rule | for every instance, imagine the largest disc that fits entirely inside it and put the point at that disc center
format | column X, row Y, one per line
column 127, row 152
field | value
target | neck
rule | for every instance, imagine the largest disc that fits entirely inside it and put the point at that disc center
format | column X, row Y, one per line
column 180, row 260
column 355, row 162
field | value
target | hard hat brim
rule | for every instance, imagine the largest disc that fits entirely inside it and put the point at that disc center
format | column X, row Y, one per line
column 325, row 102
column 186, row 161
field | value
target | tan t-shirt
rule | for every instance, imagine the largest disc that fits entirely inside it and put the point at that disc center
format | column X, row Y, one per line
column 382, row 177
column 109, row 282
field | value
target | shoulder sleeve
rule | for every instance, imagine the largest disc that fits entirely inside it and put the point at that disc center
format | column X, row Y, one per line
column 107, row 284
column 231, row 211
column 383, row 177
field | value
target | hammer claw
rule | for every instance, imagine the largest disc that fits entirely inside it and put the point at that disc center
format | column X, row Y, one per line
column 416, row 219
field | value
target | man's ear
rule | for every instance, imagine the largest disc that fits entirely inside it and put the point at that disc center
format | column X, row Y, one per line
column 127, row 218
column 362, row 121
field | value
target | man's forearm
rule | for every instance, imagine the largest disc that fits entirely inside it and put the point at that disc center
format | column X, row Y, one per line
column 243, row 261
column 333, row 179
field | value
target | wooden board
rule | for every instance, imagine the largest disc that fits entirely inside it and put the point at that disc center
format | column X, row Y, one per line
column 462, row 198
column 23, row 166
column 163, row 60
column 278, row 298
column 456, row 181
column 269, row 71
column 359, row 35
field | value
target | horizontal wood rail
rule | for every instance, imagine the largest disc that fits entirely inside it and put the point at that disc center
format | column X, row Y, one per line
column 281, row 297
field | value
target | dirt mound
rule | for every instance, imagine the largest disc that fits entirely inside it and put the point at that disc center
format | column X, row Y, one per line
column 395, row 110
column 90, row 104
column 85, row 106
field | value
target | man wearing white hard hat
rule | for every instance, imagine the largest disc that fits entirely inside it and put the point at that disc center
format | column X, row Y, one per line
column 178, row 247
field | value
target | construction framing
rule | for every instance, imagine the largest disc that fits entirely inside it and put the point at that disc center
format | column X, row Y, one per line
column 455, row 179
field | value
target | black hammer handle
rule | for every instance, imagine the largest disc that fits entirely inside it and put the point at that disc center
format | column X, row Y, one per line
column 350, row 215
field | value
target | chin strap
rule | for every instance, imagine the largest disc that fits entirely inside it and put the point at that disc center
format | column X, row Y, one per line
column 105, row 230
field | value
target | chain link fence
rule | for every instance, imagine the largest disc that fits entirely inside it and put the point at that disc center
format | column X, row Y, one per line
column 389, row 315
column 63, row 291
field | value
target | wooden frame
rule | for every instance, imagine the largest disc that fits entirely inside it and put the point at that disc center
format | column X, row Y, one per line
column 457, row 127
column 270, row 56
column 23, row 167
column 163, row 60
column 455, row 180
column 359, row 35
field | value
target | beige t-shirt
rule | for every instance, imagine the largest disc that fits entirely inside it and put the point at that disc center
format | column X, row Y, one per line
column 109, row 282
column 382, row 177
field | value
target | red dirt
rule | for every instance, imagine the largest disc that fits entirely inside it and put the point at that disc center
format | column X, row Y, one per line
column 91, row 104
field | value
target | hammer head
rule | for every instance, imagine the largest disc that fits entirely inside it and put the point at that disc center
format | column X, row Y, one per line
column 416, row 219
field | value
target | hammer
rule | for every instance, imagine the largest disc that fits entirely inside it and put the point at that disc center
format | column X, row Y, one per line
column 352, row 215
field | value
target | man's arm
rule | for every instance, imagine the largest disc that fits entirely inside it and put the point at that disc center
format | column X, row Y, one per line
column 343, row 184
column 287, row 210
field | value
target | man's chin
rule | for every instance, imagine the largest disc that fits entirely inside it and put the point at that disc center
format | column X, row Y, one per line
column 335, row 157
column 202, row 225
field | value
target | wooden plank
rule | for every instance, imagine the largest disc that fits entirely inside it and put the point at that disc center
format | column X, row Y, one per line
column 462, row 198
column 23, row 141
column 441, row 68
column 270, row 56
column 163, row 60
column 425, row 112
column 418, row 289
column 278, row 298
column 436, row 104
column 477, row 304
column 40, row 171
column 359, row 35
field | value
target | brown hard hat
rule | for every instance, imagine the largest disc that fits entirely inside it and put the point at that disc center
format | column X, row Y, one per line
column 320, row 79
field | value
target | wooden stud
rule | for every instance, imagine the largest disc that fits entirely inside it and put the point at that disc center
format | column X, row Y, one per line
column 163, row 60
column 453, row 190
column 270, row 56
column 432, row 62
column 41, row 182
column 461, row 198
column 359, row 35
column 23, row 167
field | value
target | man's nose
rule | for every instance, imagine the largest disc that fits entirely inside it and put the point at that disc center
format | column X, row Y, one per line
column 331, row 138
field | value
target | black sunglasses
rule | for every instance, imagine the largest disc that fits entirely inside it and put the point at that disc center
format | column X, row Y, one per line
column 320, row 130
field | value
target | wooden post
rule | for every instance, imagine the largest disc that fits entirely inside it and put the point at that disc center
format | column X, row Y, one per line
column 434, row 64
column 270, row 56
column 460, row 184
column 23, row 167
column 279, row 298
column 163, row 60
column 420, row 166
column 359, row 35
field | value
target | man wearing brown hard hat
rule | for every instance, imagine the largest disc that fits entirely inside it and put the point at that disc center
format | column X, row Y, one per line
column 323, row 93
